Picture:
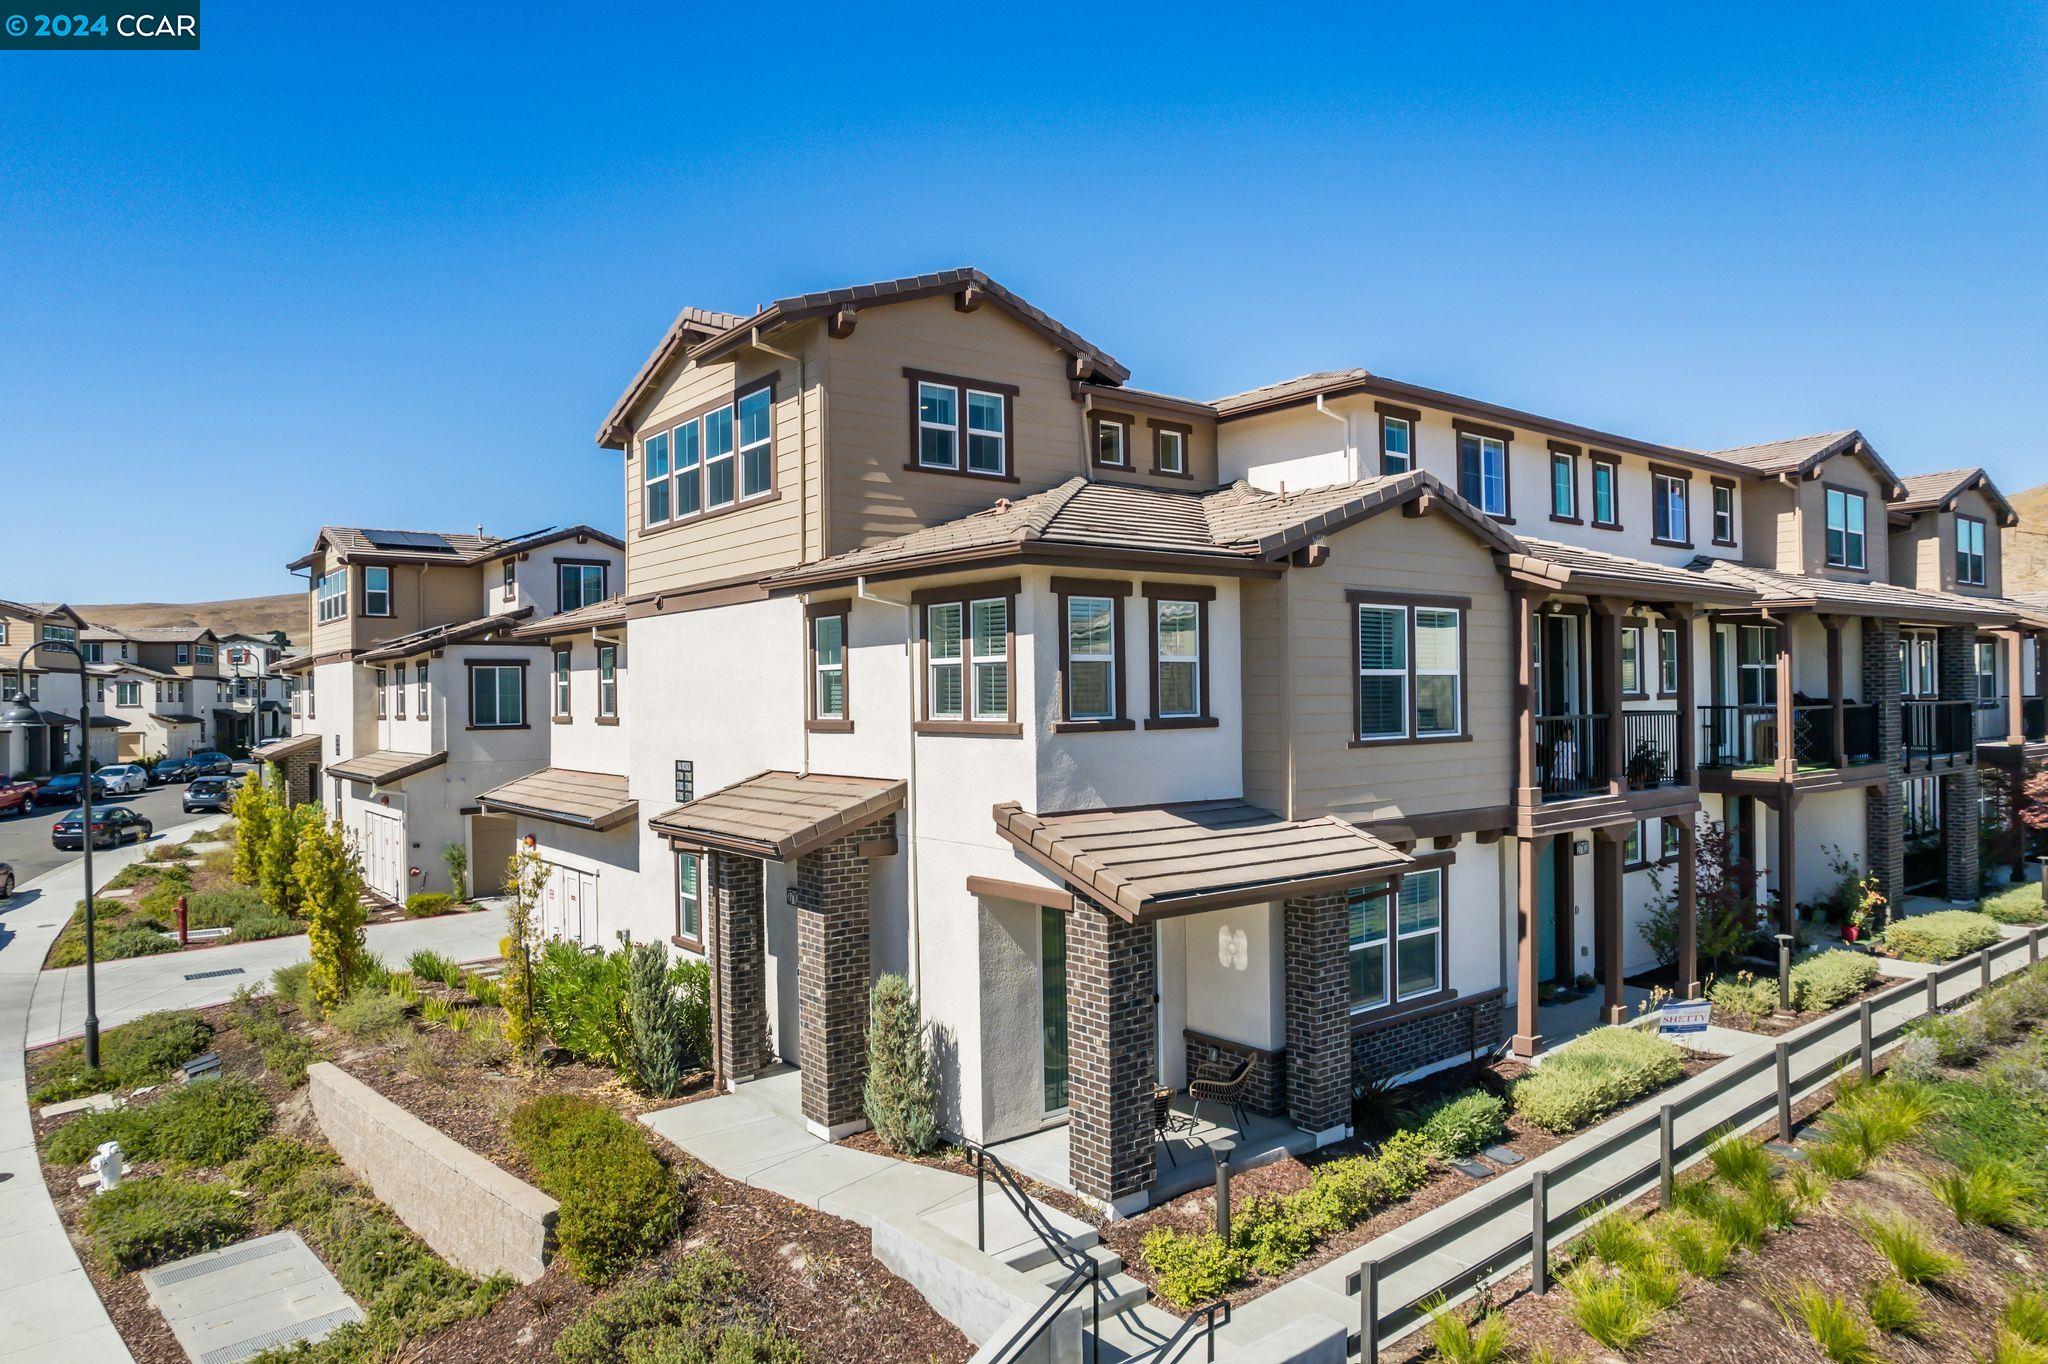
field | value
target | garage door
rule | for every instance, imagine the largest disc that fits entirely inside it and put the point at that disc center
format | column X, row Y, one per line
column 380, row 842
column 490, row 848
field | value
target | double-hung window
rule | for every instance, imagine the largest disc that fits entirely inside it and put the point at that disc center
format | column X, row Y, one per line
column 559, row 684
column 938, row 425
column 962, row 425
column 94, row 653
column 988, row 437
column 508, row 577
column 420, row 692
column 1396, row 941
column 654, row 473
column 608, row 681
column 1987, row 670
column 1667, row 661
column 378, row 679
column 127, row 693
column 1112, row 442
column 1180, row 616
column 1169, row 449
column 1410, row 659
column 689, row 461
column 184, row 654
column 330, row 596
column 689, row 899
column 1756, row 665
column 1724, row 512
column 1969, row 551
column 1845, row 528
column 398, row 693
column 1606, row 500
column 1483, row 469
column 1094, row 685
column 828, row 665
column 497, row 696
column 376, row 590
column 967, row 658
column 579, row 584
column 1397, row 440
column 1632, row 660
column 1670, row 510
column 720, row 487
column 757, row 446
column 1382, row 672
column 1564, row 484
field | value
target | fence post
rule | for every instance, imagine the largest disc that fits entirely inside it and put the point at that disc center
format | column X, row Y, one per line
column 1539, row 1232
column 1933, row 989
column 1784, row 1050
column 1863, row 1038
column 2033, row 947
column 1369, row 1312
column 1785, row 941
column 1984, row 969
column 1667, row 1169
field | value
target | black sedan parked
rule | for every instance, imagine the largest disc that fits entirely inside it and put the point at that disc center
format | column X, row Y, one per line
column 112, row 825
column 209, row 762
column 63, row 789
column 209, row 793
column 173, row 769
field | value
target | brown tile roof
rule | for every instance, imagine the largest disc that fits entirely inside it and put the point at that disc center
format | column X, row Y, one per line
column 1927, row 491
column 1301, row 385
column 463, row 547
column 1801, row 453
column 177, row 718
column 1158, row 860
column 37, row 608
column 1593, row 570
column 1867, row 599
column 585, row 800
column 441, row 636
column 277, row 750
column 385, row 767
column 779, row 815
column 147, row 634
column 597, row 615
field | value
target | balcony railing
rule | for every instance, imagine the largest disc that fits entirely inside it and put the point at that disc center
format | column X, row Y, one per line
column 1991, row 725
column 1747, row 736
column 1738, row 736
column 1937, row 729
column 1571, row 755
column 2035, row 714
column 1649, row 746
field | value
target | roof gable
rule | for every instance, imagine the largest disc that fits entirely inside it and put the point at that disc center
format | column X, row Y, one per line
column 1803, row 456
column 1939, row 491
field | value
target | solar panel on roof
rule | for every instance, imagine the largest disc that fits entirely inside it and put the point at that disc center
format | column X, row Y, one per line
column 419, row 540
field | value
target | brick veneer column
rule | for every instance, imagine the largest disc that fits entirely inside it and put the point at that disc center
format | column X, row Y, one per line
column 1315, row 933
column 740, row 969
column 1111, row 1061
column 1959, row 813
column 1884, row 804
column 832, row 980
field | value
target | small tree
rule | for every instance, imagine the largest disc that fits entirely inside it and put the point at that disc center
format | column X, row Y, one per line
column 1724, row 909
column 255, row 806
column 661, row 1045
column 276, row 876
column 901, row 1096
column 526, row 878
column 457, row 858
column 330, row 888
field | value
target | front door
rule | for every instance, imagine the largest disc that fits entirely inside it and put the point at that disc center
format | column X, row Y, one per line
column 1052, row 1005
column 1546, row 912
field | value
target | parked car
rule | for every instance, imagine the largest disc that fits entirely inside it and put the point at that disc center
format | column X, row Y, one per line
column 173, row 769
column 123, row 779
column 209, row 762
column 64, row 788
column 6, row 880
column 111, row 825
column 209, row 793
column 17, row 797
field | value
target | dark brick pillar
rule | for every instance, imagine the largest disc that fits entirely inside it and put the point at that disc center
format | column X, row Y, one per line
column 1315, row 931
column 1884, row 804
column 1111, row 1061
column 740, row 970
column 1959, row 846
column 832, row 980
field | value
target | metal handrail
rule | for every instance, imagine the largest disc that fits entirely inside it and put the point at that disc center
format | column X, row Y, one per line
column 1048, row 1312
column 1080, row 1266
column 1184, row 1334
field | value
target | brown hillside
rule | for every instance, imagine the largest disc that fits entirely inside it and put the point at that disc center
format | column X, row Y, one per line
column 251, row 615
column 2026, row 545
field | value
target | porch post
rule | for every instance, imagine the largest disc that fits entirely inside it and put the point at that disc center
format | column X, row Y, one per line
column 832, row 981
column 2016, row 690
column 1316, row 934
column 1788, row 750
column 1688, row 910
column 1788, row 854
column 740, row 972
column 1837, row 716
column 1688, row 738
column 1607, row 850
column 1523, row 621
column 1110, row 1055
column 1527, row 1040
column 1608, row 614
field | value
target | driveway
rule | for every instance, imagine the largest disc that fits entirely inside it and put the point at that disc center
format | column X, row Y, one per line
column 25, row 839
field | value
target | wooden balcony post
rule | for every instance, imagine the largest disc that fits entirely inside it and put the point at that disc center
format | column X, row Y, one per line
column 1528, row 1038
column 1688, row 738
column 1837, row 716
column 1788, row 857
column 2015, row 687
column 1688, row 910
column 1788, row 751
column 1522, row 625
column 1607, row 872
column 1608, row 614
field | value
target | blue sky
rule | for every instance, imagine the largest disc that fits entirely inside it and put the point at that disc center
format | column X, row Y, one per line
column 370, row 265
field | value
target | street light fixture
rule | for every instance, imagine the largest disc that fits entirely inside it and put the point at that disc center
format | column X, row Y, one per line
column 21, row 713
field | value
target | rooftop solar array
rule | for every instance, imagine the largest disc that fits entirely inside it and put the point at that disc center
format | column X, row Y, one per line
column 421, row 541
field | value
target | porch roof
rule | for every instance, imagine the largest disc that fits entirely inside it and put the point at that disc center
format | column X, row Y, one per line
column 279, row 749
column 563, row 795
column 177, row 718
column 385, row 766
column 441, row 636
column 779, row 815
column 1592, row 570
column 1149, row 862
column 1884, row 600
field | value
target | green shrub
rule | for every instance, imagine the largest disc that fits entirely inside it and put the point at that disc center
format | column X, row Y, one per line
column 371, row 1014
column 1701, row 1249
column 1344, row 1192
column 483, row 989
column 901, row 1096
column 1914, row 1255
column 75, row 1142
column 1191, row 1268
column 1831, row 1325
column 204, row 1122
column 695, row 1314
column 620, row 1203
column 2026, row 1315
column 257, row 927
column 136, row 1053
column 1461, row 1124
column 1828, row 980
column 426, row 965
column 1943, row 935
column 1271, row 1235
column 1620, row 1240
column 2019, row 904
column 294, row 985
column 1747, row 997
column 1458, row 1341
column 425, row 904
column 145, row 1222
column 1608, row 1308
column 1958, row 1039
column 1993, row 1193
column 692, row 980
column 1595, row 1075
column 1895, row 1309
column 135, row 940
column 581, row 999
column 1876, row 1118
column 661, row 1043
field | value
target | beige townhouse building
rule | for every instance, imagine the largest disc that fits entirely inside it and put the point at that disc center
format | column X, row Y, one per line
column 48, row 680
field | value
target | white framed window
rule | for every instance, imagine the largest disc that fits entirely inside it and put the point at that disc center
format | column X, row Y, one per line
column 1606, row 505
column 1396, row 941
column 420, row 691
column 689, row 898
column 1667, row 660
column 655, row 476
column 184, row 654
column 508, row 577
column 1845, row 528
column 1109, row 444
column 398, row 693
column 497, row 696
column 967, row 660
column 1987, row 670
column 379, row 678
column 330, row 596
column 61, row 633
column 1091, row 658
column 203, row 652
column 989, row 640
column 1724, row 513
column 607, row 680
column 687, row 449
column 560, row 684
column 127, row 693
column 757, row 461
column 1169, row 450
column 1439, row 671
column 1483, row 472
column 1382, row 672
column 828, row 666
column 938, row 425
column 376, row 590
column 1671, row 520
column 1632, row 660
column 721, row 489
column 987, row 438
column 944, row 667
column 579, row 584
column 1397, row 445
column 1177, row 642
column 1969, row 551
column 1756, row 665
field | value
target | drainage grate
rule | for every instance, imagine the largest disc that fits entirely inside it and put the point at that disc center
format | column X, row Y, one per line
column 209, row 1264
column 283, row 1335
column 214, row 975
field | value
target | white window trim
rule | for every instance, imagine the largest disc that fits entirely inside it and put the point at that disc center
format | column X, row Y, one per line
column 330, row 595
column 695, row 899
column 1123, row 454
column 820, row 669
column 384, row 591
column 1192, row 660
column 970, row 432
column 743, row 448
column 1671, row 517
column 1389, row 425
column 608, row 681
column 1570, row 465
column 1178, row 440
column 1108, row 656
column 1455, row 672
column 1390, row 943
column 560, row 663
column 649, row 480
column 952, row 429
column 979, row 660
column 1493, row 450
column 1401, row 673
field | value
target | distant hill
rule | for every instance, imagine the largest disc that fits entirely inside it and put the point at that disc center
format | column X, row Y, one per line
column 241, row 615
column 2026, row 545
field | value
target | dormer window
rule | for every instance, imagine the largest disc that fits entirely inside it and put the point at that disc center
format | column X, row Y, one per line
column 962, row 425
column 1112, row 443
column 1846, row 511
column 1397, row 438
column 1969, row 551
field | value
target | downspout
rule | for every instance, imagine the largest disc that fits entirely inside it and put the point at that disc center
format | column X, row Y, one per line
column 860, row 589
column 1350, row 453
column 1087, row 455
column 803, row 482
column 810, row 679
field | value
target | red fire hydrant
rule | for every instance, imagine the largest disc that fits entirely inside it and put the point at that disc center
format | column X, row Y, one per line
column 183, row 941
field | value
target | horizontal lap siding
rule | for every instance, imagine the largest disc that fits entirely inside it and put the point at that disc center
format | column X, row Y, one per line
column 1262, row 615
column 1844, row 471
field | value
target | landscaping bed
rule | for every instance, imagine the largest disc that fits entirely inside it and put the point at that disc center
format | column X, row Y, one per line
column 1825, row 982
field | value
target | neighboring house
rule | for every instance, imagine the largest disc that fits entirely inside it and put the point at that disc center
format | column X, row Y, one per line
column 49, row 680
column 159, row 712
column 412, row 697
column 257, row 704
column 189, row 654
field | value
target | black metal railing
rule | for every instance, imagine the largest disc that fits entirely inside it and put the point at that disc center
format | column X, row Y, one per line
column 1747, row 736
column 1083, row 1272
column 1936, row 729
column 2034, row 714
column 1991, row 720
column 1518, row 1225
column 1571, row 755
column 1738, row 736
column 1202, row 1322
column 1649, row 746
column 1860, row 734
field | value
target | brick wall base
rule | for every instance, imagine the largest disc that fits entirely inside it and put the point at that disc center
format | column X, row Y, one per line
column 739, row 972
column 1267, row 1091
column 832, row 979
column 1409, row 1045
column 1111, row 1054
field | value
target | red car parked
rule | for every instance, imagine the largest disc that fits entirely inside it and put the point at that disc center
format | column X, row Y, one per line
column 17, row 797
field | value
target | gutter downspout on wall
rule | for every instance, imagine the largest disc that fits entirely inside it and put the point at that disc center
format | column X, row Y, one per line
column 803, row 482
column 860, row 589
column 804, row 702
column 1350, row 451
column 1087, row 455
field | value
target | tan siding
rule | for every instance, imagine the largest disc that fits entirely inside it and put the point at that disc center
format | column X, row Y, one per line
column 422, row 596
column 1915, row 551
column 1261, row 613
column 1395, row 553
column 1851, row 473
column 334, row 634
column 1973, row 503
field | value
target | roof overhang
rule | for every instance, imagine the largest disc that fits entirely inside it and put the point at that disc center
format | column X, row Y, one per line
column 280, row 749
column 598, row 801
column 778, row 816
column 385, row 767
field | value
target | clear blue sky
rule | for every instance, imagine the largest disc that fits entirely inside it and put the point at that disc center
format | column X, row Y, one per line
column 380, row 265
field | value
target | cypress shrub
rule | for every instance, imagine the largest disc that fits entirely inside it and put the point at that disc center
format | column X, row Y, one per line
column 901, row 1096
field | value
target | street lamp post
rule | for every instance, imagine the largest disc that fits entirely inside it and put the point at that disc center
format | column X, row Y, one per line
column 15, row 715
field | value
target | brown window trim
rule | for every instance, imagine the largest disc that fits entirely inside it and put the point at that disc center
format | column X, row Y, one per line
column 1407, row 414
column 842, row 607
column 603, row 716
column 1117, row 591
column 1720, row 485
column 1187, row 448
column 604, row 585
column 469, row 667
column 1099, row 418
column 732, row 399
column 1641, row 693
column 1370, row 1017
column 1507, row 465
column 1561, row 449
column 1202, row 595
column 1612, row 463
column 965, row 593
column 680, row 938
column 960, row 384
column 363, row 586
column 1955, row 554
column 508, row 576
column 1357, row 597
column 1684, row 476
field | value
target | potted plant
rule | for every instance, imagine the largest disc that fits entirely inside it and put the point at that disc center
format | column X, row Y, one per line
column 1646, row 766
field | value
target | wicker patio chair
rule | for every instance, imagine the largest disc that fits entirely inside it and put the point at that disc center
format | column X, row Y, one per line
column 1223, row 1084
column 1167, row 1124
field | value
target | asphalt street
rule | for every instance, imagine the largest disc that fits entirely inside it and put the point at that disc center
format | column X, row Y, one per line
column 25, row 839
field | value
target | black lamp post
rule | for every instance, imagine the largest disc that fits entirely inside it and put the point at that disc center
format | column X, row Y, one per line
column 21, row 713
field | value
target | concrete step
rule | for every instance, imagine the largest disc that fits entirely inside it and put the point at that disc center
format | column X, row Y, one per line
column 1135, row 1333
column 1119, row 1290
column 1009, row 1238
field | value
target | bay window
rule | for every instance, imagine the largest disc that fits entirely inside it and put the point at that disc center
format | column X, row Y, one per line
column 330, row 596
